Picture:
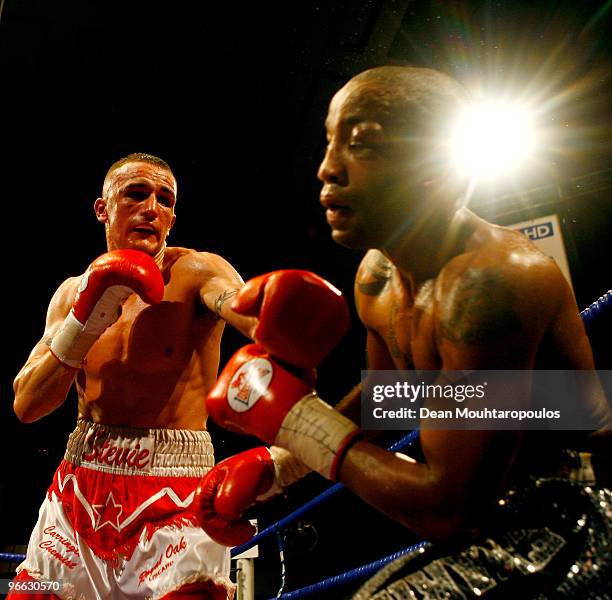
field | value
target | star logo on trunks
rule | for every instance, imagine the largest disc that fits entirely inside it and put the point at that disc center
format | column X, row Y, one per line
column 249, row 383
column 108, row 514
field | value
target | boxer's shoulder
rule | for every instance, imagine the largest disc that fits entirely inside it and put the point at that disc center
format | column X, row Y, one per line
column 173, row 254
column 502, row 282
column 65, row 293
column 198, row 263
column 500, row 261
column 193, row 269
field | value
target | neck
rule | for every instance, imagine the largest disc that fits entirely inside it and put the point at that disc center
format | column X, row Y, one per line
column 159, row 257
column 425, row 251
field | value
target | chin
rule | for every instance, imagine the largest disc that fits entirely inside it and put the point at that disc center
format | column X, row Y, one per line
column 350, row 239
column 143, row 246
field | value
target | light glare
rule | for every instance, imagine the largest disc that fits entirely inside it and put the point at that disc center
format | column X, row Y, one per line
column 493, row 139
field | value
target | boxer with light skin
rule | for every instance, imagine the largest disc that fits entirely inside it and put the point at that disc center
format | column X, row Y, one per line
column 139, row 337
column 137, row 210
column 439, row 288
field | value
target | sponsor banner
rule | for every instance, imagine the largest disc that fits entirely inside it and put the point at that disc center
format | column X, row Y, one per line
column 510, row 400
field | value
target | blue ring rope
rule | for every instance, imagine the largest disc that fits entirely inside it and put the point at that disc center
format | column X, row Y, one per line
column 10, row 557
column 594, row 310
column 402, row 443
column 356, row 574
column 588, row 315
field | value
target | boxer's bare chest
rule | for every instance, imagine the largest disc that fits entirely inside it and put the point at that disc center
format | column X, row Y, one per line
column 150, row 343
column 404, row 320
column 146, row 338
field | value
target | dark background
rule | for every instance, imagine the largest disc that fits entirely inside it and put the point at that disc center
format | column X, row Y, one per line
column 233, row 96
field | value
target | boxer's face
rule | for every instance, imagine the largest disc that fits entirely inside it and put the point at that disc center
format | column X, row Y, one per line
column 138, row 207
column 369, row 171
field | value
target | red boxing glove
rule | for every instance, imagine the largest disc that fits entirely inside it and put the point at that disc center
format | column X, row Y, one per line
column 108, row 281
column 228, row 489
column 301, row 316
column 256, row 395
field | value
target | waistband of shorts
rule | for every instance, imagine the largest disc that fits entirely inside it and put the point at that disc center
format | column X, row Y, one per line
column 140, row 451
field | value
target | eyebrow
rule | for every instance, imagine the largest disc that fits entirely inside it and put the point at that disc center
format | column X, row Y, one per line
column 349, row 121
column 142, row 184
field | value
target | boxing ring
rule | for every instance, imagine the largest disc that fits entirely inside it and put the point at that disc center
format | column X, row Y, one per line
column 245, row 571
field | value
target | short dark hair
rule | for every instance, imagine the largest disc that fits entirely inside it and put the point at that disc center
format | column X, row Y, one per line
column 136, row 157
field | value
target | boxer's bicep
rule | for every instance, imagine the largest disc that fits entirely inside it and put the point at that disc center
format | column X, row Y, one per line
column 437, row 498
column 59, row 306
column 42, row 384
column 567, row 332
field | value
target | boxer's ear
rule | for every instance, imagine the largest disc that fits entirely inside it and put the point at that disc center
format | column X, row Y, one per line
column 100, row 210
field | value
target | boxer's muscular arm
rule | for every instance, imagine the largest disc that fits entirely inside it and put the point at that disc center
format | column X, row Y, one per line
column 43, row 382
column 221, row 284
column 492, row 323
column 569, row 338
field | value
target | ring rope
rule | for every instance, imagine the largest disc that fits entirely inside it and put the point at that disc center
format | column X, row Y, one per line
column 588, row 315
column 349, row 576
column 402, row 443
column 281, row 552
column 10, row 557
column 594, row 310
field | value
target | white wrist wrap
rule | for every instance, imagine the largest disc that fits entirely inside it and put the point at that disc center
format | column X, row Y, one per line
column 316, row 434
column 287, row 470
column 74, row 339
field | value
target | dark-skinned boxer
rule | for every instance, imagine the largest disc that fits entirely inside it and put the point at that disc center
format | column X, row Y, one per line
column 440, row 289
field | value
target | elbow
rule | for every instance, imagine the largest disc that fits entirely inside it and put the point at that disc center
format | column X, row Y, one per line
column 20, row 405
column 450, row 520
column 445, row 528
column 23, row 410
column 25, row 406
column 34, row 400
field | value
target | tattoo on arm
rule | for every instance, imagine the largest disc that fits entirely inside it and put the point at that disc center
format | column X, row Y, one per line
column 480, row 310
column 378, row 273
column 222, row 299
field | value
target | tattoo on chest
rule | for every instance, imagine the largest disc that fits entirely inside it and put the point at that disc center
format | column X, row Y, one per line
column 480, row 309
column 222, row 299
column 378, row 273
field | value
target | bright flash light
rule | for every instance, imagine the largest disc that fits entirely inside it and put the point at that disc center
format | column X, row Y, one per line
column 493, row 139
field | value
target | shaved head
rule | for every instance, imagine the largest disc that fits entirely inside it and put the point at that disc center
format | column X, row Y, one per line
column 133, row 157
column 386, row 170
column 419, row 100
